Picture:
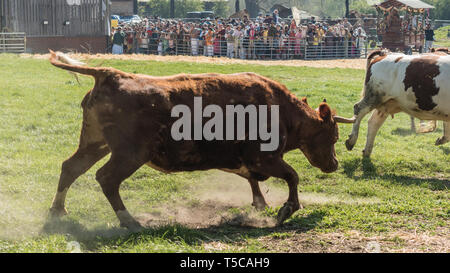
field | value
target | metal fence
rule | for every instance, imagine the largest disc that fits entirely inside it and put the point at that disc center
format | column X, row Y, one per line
column 12, row 42
column 269, row 48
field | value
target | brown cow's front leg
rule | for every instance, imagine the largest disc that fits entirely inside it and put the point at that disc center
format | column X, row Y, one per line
column 277, row 167
column 258, row 199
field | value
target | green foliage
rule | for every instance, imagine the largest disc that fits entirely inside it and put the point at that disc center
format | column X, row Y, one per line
column 161, row 8
column 362, row 7
column 442, row 10
column 221, row 8
column 441, row 35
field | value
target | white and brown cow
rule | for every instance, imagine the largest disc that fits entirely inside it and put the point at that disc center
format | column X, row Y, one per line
column 429, row 126
column 418, row 85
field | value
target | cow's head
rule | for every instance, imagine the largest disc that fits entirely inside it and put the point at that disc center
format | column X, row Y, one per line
column 319, row 146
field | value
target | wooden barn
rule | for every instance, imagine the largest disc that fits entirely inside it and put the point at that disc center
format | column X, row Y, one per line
column 76, row 25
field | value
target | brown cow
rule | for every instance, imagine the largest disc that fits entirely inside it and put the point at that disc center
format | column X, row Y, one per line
column 129, row 115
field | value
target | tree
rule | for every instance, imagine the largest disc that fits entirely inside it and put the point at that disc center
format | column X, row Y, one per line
column 253, row 7
column 172, row 8
column 442, row 10
column 161, row 8
column 220, row 8
column 347, row 8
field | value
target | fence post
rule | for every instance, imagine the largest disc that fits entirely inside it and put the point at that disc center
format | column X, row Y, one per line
column 367, row 48
column 306, row 51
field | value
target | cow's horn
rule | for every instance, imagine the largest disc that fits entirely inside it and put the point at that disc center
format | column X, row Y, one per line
column 344, row 120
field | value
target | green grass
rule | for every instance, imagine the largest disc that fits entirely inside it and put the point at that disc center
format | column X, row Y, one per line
column 40, row 119
column 441, row 37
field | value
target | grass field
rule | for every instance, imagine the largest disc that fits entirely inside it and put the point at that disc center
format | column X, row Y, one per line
column 398, row 199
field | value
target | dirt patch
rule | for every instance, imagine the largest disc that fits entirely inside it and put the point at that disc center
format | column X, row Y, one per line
column 354, row 241
column 338, row 63
column 222, row 197
column 217, row 199
column 17, row 218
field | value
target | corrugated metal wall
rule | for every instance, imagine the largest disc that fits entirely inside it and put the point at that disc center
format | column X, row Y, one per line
column 86, row 17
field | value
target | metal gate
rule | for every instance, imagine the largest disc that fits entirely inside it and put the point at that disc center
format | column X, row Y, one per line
column 12, row 42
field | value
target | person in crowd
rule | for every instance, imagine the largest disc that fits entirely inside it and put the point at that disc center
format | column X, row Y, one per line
column 265, row 37
column 209, row 42
column 118, row 41
column 429, row 37
column 276, row 17
column 360, row 36
column 229, row 36
column 195, row 33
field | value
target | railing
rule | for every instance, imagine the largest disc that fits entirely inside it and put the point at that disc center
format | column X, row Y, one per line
column 12, row 42
column 259, row 49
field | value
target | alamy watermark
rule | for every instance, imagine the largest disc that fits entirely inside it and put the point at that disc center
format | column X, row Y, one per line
column 235, row 117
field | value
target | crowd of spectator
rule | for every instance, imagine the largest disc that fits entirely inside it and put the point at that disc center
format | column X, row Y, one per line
column 265, row 37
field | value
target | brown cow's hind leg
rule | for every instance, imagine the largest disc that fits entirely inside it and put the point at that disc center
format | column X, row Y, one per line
column 91, row 149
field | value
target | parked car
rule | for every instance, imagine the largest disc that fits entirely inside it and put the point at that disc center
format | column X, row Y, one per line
column 131, row 19
column 198, row 15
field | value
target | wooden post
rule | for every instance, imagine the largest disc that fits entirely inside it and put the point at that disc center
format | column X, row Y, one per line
column 1, row 16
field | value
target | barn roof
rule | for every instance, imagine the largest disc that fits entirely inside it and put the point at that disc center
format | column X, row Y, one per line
column 415, row 4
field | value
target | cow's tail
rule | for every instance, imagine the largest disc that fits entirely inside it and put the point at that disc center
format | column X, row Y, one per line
column 374, row 54
column 63, row 61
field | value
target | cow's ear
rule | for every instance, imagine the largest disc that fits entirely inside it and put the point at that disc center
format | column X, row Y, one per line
column 305, row 100
column 324, row 111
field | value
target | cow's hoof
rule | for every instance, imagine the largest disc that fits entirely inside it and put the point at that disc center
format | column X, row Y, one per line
column 260, row 206
column 57, row 212
column 133, row 226
column 286, row 211
column 348, row 145
column 366, row 154
column 441, row 140
column 259, row 203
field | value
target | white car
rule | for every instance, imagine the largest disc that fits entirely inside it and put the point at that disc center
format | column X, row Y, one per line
column 132, row 19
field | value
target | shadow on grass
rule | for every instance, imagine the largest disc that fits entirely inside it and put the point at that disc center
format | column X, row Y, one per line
column 370, row 171
column 368, row 168
column 444, row 149
column 403, row 132
column 408, row 131
column 433, row 184
column 225, row 232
